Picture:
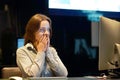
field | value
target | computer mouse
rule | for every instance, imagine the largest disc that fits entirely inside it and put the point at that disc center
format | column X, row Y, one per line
column 15, row 78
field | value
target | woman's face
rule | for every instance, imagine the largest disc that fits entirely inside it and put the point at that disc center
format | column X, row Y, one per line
column 44, row 30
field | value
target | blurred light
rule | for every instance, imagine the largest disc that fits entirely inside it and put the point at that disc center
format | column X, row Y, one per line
column 94, row 17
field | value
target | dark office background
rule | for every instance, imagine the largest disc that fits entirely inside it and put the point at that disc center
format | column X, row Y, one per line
column 68, row 31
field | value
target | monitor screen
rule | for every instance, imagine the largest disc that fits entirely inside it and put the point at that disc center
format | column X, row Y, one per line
column 20, row 42
column 96, row 5
column 109, row 36
column 90, row 8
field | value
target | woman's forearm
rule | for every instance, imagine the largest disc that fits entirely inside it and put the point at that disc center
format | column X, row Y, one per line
column 56, row 64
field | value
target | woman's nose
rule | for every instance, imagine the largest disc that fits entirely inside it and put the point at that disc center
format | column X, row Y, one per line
column 47, row 32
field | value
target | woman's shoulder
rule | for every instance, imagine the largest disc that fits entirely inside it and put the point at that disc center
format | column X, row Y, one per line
column 23, row 49
column 25, row 46
column 20, row 48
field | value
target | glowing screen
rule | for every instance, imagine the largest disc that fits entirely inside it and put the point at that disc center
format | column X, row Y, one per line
column 97, row 5
column 20, row 42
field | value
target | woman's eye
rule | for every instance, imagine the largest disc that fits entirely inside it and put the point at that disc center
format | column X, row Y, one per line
column 42, row 30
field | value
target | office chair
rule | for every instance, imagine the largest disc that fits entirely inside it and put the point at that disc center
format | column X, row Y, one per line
column 11, row 71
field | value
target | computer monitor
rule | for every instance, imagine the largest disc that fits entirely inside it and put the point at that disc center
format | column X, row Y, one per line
column 109, row 42
column 20, row 42
column 90, row 8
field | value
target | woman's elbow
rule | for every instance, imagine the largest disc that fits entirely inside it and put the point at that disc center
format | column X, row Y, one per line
column 64, row 73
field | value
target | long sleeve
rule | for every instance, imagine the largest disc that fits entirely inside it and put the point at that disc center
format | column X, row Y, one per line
column 55, row 63
column 31, row 64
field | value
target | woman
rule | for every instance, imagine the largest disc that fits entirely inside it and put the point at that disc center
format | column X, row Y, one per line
column 37, row 58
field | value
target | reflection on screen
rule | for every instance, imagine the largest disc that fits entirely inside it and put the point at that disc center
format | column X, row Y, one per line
column 80, row 45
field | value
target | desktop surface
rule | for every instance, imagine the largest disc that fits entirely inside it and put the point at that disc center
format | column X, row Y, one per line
column 69, row 78
column 63, row 78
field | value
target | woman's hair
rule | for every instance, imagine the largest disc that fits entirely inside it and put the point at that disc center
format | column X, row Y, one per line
column 33, row 26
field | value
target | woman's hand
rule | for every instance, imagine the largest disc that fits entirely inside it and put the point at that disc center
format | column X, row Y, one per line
column 43, row 43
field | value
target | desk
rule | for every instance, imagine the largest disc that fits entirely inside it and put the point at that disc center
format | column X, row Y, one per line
column 68, row 78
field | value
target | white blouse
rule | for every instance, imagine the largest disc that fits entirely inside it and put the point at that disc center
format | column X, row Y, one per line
column 45, row 64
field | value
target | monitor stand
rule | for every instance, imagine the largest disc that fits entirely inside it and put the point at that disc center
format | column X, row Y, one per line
column 114, row 74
